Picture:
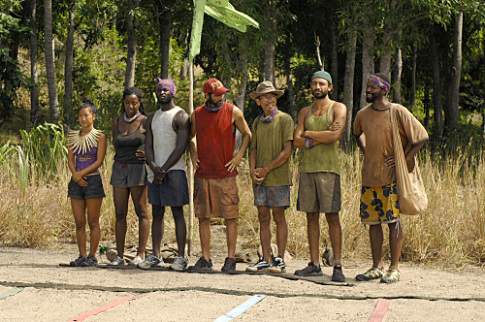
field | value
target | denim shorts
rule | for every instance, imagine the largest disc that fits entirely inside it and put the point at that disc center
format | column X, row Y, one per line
column 272, row 196
column 94, row 189
column 173, row 192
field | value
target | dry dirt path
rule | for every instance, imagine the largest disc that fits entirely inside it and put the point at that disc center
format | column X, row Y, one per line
column 49, row 292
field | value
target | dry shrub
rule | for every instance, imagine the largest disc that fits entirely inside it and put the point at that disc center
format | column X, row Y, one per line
column 450, row 232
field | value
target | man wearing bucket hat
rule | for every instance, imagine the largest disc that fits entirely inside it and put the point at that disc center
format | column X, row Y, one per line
column 319, row 128
column 213, row 125
column 271, row 144
column 167, row 136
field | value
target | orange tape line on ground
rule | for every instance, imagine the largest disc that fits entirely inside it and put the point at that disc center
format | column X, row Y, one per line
column 380, row 310
column 103, row 308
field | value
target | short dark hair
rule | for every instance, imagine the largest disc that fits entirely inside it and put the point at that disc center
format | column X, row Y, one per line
column 133, row 91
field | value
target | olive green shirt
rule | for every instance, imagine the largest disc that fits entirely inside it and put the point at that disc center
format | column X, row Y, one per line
column 268, row 140
column 322, row 157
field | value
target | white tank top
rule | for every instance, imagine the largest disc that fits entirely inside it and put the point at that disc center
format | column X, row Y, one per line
column 164, row 139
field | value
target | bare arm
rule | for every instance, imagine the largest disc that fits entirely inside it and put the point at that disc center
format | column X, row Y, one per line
column 330, row 136
column 114, row 129
column 242, row 126
column 360, row 139
column 282, row 157
column 194, row 158
column 298, row 138
column 78, row 176
column 149, row 144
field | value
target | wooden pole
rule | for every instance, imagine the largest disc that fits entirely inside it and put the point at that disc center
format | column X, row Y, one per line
column 191, row 168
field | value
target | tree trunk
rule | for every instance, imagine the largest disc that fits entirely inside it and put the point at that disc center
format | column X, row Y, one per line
column 334, row 60
column 289, row 77
column 397, row 77
column 385, row 59
column 412, row 99
column 367, row 61
column 452, row 116
column 34, row 78
column 426, row 102
column 69, row 60
column 131, row 26
column 270, row 43
column 49, row 62
column 437, row 101
column 165, row 23
column 243, row 54
column 349, row 87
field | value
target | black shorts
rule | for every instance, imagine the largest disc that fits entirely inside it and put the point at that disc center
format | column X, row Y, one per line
column 94, row 189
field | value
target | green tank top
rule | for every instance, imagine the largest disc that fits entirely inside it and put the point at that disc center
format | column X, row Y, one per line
column 322, row 157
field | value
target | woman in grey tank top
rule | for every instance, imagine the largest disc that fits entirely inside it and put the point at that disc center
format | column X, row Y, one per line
column 129, row 172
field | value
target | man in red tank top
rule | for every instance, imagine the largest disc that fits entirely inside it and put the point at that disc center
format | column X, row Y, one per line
column 213, row 132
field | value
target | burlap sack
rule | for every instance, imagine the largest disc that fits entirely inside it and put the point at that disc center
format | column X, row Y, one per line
column 410, row 188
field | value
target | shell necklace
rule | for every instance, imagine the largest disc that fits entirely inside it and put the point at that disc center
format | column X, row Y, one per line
column 82, row 144
column 131, row 119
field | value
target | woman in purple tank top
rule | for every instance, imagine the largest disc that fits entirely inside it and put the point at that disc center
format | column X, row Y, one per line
column 87, row 149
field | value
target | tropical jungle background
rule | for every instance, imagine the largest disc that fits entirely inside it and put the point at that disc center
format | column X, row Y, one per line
column 53, row 53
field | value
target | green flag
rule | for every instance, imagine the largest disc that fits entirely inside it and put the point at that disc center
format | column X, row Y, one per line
column 221, row 10
column 197, row 24
column 230, row 16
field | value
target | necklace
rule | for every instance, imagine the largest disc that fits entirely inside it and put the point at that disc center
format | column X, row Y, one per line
column 131, row 119
column 82, row 144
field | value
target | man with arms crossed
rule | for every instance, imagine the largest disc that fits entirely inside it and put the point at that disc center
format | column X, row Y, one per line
column 166, row 140
column 272, row 134
column 212, row 154
column 317, row 133
column 379, row 200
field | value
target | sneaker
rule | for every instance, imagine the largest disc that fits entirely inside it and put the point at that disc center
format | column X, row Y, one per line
column 78, row 261
column 310, row 270
column 90, row 261
column 179, row 264
column 202, row 265
column 371, row 274
column 338, row 275
column 278, row 265
column 137, row 260
column 391, row 276
column 261, row 265
column 150, row 261
column 118, row 261
column 229, row 265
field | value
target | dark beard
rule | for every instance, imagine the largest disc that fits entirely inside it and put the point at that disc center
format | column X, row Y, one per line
column 370, row 99
column 320, row 96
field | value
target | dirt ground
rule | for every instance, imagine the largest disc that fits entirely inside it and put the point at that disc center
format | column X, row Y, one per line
column 50, row 292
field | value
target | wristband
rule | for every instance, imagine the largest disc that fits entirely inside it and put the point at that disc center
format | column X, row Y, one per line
column 308, row 143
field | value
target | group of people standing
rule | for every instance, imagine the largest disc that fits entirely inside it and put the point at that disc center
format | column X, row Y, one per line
column 149, row 165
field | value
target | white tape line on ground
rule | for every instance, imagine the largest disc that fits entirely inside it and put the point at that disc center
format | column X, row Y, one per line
column 10, row 292
column 241, row 308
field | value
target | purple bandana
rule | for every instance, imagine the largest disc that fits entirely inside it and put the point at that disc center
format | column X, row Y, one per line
column 380, row 82
column 213, row 109
column 165, row 83
column 308, row 143
column 269, row 118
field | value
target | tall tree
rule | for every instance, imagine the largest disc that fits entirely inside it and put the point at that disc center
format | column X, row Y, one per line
column 69, row 58
column 34, row 78
column 451, row 117
column 49, row 62
column 165, row 25
column 270, row 44
column 132, row 23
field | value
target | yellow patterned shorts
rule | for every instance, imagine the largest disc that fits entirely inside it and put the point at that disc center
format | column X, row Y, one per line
column 379, row 205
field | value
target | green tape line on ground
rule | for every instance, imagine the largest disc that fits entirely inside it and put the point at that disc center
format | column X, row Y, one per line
column 12, row 291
